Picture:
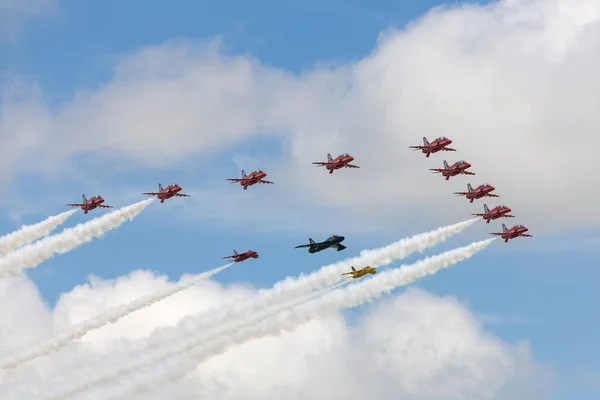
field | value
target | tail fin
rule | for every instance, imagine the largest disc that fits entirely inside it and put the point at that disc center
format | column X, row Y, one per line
column 243, row 174
column 311, row 241
column 425, row 141
column 235, row 253
column 485, row 208
column 504, row 229
column 353, row 269
column 446, row 164
column 329, row 158
column 469, row 187
column 160, row 187
column 84, row 198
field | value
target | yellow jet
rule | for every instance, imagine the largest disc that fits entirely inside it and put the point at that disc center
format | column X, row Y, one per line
column 361, row 272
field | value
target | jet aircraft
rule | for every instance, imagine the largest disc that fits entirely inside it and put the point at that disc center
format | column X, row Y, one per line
column 252, row 179
column 237, row 257
column 341, row 161
column 90, row 204
column 500, row 211
column 333, row 241
column 168, row 192
column 458, row 168
column 514, row 232
column 361, row 272
column 438, row 144
column 479, row 192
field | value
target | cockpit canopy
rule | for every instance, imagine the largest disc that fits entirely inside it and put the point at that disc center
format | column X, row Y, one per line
column 443, row 138
column 462, row 162
column 345, row 155
column 486, row 185
column 520, row 226
column 257, row 171
column 502, row 206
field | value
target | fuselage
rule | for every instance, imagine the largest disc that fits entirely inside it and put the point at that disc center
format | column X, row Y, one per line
column 169, row 192
column 436, row 145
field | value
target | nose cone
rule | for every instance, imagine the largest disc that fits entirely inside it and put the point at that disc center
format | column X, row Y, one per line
column 507, row 209
column 468, row 165
column 350, row 158
column 491, row 188
column 263, row 175
column 101, row 199
column 341, row 238
column 449, row 141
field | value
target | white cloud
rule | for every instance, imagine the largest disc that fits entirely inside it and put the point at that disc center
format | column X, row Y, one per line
column 414, row 345
column 513, row 83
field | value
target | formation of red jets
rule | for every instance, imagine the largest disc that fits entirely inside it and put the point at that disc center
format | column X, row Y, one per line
column 484, row 190
column 257, row 176
column 344, row 161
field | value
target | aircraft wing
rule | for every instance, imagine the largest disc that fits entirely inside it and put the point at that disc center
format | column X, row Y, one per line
column 235, row 179
column 76, row 205
column 182, row 195
column 438, row 169
column 526, row 235
column 478, row 215
column 418, row 147
column 104, row 206
column 151, row 193
column 229, row 257
column 464, row 194
column 447, row 149
column 496, row 233
column 492, row 195
column 266, row 182
column 321, row 163
column 347, row 273
column 302, row 246
column 467, row 173
column 352, row 166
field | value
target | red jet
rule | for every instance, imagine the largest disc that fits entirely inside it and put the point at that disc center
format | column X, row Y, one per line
column 168, row 192
column 479, row 192
column 92, row 203
column 458, row 168
column 249, row 180
column 438, row 144
column 341, row 161
column 244, row 256
column 501, row 211
column 514, row 232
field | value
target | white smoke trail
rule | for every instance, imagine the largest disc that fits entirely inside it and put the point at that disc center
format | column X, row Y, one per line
column 28, row 233
column 291, row 288
column 34, row 254
column 191, row 352
column 108, row 317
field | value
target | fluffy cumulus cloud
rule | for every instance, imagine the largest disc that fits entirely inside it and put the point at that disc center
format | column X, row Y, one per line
column 413, row 346
column 513, row 83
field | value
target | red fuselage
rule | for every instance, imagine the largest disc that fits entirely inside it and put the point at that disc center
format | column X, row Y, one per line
column 436, row 145
column 340, row 162
column 169, row 192
column 456, row 169
column 479, row 192
column 245, row 256
column 496, row 213
column 253, row 179
column 513, row 232
column 92, row 204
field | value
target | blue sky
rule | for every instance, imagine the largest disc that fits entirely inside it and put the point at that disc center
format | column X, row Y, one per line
column 547, row 297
